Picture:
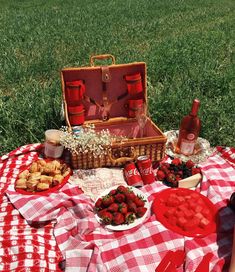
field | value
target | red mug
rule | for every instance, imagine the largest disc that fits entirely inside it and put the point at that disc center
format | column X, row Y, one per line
column 134, row 105
column 134, row 83
column 76, row 115
column 74, row 92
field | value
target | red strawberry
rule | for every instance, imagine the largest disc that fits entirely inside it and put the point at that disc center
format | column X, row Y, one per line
column 119, row 197
column 178, row 177
column 130, row 195
column 101, row 212
column 160, row 175
column 107, row 200
column 107, row 218
column 165, row 167
column 189, row 164
column 113, row 207
column 141, row 211
column 176, row 161
column 196, row 170
column 170, row 177
column 113, row 192
column 99, row 204
column 130, row 217
column 118, row 218
column 139, row 201
column 122, row 189
column 123, row 208
column 131, row 206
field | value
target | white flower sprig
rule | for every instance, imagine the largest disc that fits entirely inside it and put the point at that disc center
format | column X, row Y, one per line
column 88, row 140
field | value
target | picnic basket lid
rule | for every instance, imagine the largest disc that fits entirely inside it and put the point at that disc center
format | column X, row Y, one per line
column 105, row 87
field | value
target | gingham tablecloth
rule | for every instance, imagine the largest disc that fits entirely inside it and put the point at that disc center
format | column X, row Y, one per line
column 38, row 232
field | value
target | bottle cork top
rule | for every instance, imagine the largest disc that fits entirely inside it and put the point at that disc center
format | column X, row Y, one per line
column 195, row 107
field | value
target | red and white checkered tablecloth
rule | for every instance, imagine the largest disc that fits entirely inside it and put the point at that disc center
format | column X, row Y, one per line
column 62, row 226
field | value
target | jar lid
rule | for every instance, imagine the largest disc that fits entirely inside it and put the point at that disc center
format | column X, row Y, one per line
column 53, row 135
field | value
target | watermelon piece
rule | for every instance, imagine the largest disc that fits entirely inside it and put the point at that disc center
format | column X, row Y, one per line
column 198, row 208
column 173, row 195
column 199, row 215
column 200, row 202
column 179, row 213
column 207, row 213
column 181, row 199
column 170, row 212
column 191, row 224
column 172, row 202
column 187, row 197
column 181, row 222
column 188, row 214
column 204, row 223
column 192, row 205
column 183, row 207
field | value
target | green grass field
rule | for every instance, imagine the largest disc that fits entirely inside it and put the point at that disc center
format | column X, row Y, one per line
column 188, row 47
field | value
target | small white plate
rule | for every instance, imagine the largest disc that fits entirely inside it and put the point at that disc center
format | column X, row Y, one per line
column 137, row 221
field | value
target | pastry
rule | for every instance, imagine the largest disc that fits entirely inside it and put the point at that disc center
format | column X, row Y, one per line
column 24, row 174
column 57, row 179
column 42, row 186
column 46, row 179
column 31, row 184
column 21, row 183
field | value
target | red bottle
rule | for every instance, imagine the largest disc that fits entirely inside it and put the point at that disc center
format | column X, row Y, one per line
column 189, row 131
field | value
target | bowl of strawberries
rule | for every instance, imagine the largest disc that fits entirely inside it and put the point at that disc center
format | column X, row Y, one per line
column 121, row 208
column 178, row 173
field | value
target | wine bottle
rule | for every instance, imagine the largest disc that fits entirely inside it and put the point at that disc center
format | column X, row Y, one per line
column 189, row 131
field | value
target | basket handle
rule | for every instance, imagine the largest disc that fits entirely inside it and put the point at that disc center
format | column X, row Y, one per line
column 122, row 160
column 101, row 57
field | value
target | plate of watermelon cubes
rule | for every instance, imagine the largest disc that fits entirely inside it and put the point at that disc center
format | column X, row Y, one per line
column 121, row 208
column 185, row 211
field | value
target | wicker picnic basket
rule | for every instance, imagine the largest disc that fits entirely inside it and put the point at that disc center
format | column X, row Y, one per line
column 109, row 96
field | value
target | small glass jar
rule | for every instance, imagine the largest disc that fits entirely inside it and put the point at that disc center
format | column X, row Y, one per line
column 52, row 147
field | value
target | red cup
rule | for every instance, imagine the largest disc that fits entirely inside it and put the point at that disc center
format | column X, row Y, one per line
column 74, row 92
column 134, row 83
column 76, row 115
column 134, row 105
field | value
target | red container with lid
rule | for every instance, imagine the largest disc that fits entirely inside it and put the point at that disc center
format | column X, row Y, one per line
column 74, row 92
column 134, row 83
column 144, row 164
column 76, row 115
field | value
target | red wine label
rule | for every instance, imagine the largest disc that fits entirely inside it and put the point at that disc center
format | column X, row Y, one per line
column 187, row 147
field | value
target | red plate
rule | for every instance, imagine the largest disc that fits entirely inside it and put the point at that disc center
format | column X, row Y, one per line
column 185, row 211
column 51, row 190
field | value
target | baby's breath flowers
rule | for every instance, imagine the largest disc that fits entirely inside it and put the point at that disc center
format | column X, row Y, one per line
column 88, row 140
